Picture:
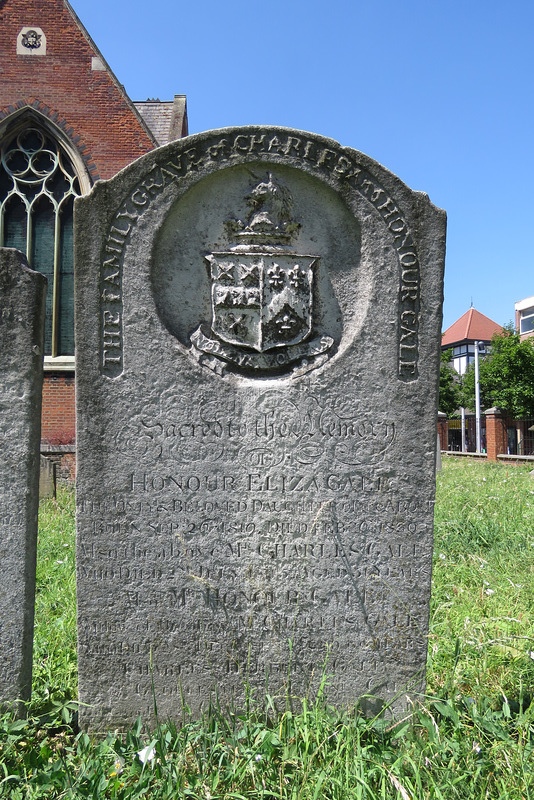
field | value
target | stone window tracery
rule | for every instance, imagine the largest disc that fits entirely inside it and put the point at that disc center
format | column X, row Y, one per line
column 38, row 184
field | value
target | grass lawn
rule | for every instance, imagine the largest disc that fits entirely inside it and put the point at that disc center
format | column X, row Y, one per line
column 471, row 737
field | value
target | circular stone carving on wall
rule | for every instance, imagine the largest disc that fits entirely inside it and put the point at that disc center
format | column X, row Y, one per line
column 256, row 270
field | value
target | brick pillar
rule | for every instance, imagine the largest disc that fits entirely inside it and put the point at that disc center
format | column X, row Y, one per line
column 443, row 431
column 496, row 434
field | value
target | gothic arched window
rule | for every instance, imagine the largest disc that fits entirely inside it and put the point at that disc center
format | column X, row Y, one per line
column 38, row 184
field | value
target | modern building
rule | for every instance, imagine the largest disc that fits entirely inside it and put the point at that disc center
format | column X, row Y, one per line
column 524, row 317
column 65, row 122
column 462, row 335
column 472, row 330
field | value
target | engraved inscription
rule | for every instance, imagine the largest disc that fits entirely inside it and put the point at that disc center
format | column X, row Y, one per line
column 266, row 434
column 337, row 165
column 274, row 525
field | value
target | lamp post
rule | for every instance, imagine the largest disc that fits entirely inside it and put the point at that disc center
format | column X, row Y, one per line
column 477, row 399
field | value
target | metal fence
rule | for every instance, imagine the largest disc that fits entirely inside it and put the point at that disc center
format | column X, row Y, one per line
column 455, row 434
column 521, row 437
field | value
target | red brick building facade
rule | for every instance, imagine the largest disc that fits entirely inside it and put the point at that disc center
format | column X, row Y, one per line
column 65, row 122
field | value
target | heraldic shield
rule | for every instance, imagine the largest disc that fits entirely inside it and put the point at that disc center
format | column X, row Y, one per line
column 262, row 300
column 262, row 293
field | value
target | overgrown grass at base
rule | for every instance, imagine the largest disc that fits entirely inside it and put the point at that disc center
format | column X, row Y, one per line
column 55, row 679
column 482, row 622
column 471, row 737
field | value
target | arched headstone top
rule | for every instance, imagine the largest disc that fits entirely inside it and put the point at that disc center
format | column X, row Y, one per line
column 273, row 161
column 258, row 328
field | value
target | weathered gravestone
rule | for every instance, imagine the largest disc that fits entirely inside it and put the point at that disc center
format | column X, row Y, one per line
column 258, row 315
column 22, row 309
column 47, row 478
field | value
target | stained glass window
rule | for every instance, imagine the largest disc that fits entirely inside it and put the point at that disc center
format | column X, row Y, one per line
column 38, row 185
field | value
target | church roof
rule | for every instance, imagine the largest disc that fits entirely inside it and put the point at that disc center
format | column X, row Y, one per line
column 166, row 119
column 471, row 327
column 65, row 82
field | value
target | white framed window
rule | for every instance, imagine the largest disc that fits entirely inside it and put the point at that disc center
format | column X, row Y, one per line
column 526, row 320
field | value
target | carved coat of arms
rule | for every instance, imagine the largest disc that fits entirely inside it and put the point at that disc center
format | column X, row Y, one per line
column 31, row 40
column 262, row 291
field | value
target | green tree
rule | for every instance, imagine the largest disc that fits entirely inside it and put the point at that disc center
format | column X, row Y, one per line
column 506, row 376
column 449, row 387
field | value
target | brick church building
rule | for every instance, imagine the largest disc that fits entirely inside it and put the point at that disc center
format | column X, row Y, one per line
column 65, row 122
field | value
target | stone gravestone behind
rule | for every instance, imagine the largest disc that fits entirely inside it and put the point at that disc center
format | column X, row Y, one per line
column 22, row 298
column 47, row 478
column 258, row 326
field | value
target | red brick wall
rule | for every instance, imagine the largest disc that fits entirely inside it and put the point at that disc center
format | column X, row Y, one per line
column 58, row 425
column 92, row 112
column 87, row 104
column 496, row 434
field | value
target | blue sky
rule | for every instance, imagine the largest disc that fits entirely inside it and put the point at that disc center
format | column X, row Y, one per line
column 440, row 93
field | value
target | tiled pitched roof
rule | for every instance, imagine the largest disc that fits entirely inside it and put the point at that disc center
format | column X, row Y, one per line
column 157, row 116
column 166, row 119
column 471, row 327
